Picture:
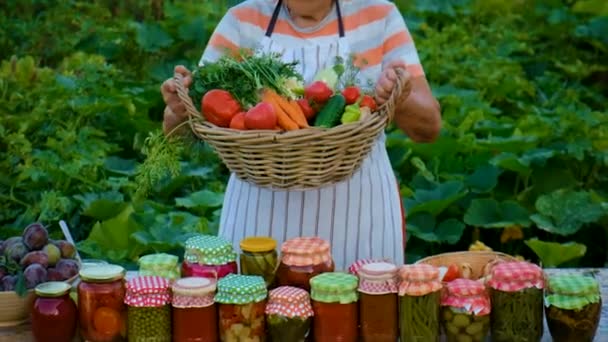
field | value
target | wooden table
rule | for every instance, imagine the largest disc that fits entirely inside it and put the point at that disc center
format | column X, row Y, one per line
column 23, row 334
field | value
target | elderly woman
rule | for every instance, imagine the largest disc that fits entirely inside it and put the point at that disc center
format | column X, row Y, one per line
column 361, row 217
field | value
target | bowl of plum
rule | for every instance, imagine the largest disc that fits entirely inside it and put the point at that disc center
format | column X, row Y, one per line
column 26, row 261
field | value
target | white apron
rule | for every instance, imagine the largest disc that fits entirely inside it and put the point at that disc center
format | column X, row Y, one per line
column 361, row 217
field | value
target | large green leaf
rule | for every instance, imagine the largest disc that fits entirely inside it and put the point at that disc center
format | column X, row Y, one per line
column 151, row 37
column 423, row 226
column 436, row 200
column 489, row 213
column 522, row 164
column 102, row 206
column 553, row 254
column 201, row 199
column 484, row 179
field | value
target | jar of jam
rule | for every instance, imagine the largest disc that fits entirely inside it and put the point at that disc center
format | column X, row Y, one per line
column 573, row 308
column 334, row 295
column 516, row 293
column 259, row 257
column 159, row 264
column 194, row 310
column 209, row 256
column 301, row 259
column 288, row 314
column 419, row 303
column 241, row 303
column 149, row 299
column 465, row 311
column 101, row 308
column 378, row 302
column 54, row 314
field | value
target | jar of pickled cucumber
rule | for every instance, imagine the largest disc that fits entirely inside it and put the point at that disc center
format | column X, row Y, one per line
column 573, row 308
column 516, row 293
column 288, row 314
column 241, row 303
column 194, row 310
column 259, row 257
column 149, row 313
column 419, row 303
column 335, row 306
column 159, row 264
column 466, row 311
column 303, row 258
column 209, row 256
column 378, row 302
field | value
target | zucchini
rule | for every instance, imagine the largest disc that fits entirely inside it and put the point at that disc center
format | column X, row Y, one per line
column 331, row 113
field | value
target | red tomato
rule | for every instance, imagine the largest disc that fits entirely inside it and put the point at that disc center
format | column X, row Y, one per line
column 309, row 113
column 351, row 94
column 238, row 121
column 219, row 107
column 452, row 273
column 368, row 102
column 262, row 116
column 318, row 92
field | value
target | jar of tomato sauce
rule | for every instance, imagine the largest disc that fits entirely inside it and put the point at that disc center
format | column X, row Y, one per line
column 54, row 314
column 209, row 256
column 301, row 259
column 102, row 312
column 465, row 311
column 194, row 310
column 149, row 310
column 334, row 303
column 378, row 304
column 241, row 303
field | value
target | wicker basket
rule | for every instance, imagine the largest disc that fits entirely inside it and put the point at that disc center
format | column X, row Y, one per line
column 294, row 160
column 477, row 260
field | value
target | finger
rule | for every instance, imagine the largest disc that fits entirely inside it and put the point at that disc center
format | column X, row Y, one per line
column 182, row 70
column 386, row 84
column 187, row 81
column 381, row 94
column 391, row 75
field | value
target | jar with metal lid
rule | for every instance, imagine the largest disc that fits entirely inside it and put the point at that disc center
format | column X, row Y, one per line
column 288, row 314
column 378, row 302
column 334, row 303
column 149, row 299
column 194, row 310
column 466, row 311
column 209, row 256
column 159, row 264
column 419, row 303
column 54, row 313
column 259, row 257
column 241, row 303
column 303, row 258
column 101, row 308
column 516, row 293
column 573, row 306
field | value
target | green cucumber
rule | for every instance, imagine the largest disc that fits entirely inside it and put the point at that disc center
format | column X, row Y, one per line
column 330, row 114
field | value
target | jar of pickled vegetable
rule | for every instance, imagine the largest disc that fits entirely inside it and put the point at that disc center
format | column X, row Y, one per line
column 466, row 311
column 573, row 308
column 288, row 314
column 334, row 296
column 419, row 303
column 209, row 256
column 101, row 308
column 159, row 264
column 378, row 304
column 149, row 299
column 54, row 313
column 241, row 302
column 301, row 259
column 194, row 310
column 259, row 257
column 516, row 293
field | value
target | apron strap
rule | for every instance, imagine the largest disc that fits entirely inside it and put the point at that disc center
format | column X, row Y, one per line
column 277, row 10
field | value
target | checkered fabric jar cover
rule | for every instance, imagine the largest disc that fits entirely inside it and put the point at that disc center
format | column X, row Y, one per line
column 193, row 292
column 290, row 302
column 419, row 280
column 334, row 287
column 467, row 294
column 305, row 251
column 148, row 291
column 378, row 278
column 356, row 266
column 572, row 292
column 516, row 276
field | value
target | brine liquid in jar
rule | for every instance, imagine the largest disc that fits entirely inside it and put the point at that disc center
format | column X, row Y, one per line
column 54, row 314
column 288, row 314
column 302, row 258
column 149, row 313
column 259, row 257
column 378, row 304
column 466, row 311
column 194, row 310
column 209, row 256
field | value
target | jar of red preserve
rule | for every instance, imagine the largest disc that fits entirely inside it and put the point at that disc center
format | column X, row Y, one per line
column 301, row 259
column 194, row 310
column 209, row 256
column 54, row 313
column 378, row 302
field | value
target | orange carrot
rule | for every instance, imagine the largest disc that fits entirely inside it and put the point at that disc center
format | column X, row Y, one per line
column 291, row 108
column 283, row 118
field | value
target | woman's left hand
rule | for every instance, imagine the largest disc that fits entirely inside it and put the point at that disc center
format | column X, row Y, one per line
column 388, row 80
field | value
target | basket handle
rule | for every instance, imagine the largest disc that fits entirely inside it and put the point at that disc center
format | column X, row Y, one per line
column 182, row 93
column 401, row 89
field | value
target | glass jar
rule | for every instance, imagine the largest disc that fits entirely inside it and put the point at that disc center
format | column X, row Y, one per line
column 419, row 303
column 194, row 310
column 149, row 298
column 466, row 311
column 288, row 314
column 54, row 313
column 209, row 256
column 334, row 295
column 101, row 308
column 259, row 257
column 159, row 264
column 242, row 300
column 573, row 308
column 516, row 293
column 303, row 258
column 378, row 304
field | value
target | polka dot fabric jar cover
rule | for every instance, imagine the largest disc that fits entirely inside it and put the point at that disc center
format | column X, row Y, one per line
column 241, row 289
column 289, row 302
column 209, row 250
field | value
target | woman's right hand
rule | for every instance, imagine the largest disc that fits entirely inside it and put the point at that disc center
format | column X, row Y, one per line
column 175, row 113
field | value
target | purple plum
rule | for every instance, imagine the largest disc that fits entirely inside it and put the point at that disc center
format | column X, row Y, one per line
column 34, row 274
column 68, row 251
column 67, row 268
column 16, row 251
column 35, row 257
column 9, row 282
column 54, row 275
column 9, row 242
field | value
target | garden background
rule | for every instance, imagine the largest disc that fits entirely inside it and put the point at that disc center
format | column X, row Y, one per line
column 521, row 164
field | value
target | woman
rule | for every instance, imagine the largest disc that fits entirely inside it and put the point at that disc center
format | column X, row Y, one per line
column 361, row 217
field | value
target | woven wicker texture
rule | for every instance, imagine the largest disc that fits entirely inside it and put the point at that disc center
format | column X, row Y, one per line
column 477, row 260
column 294, row 160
